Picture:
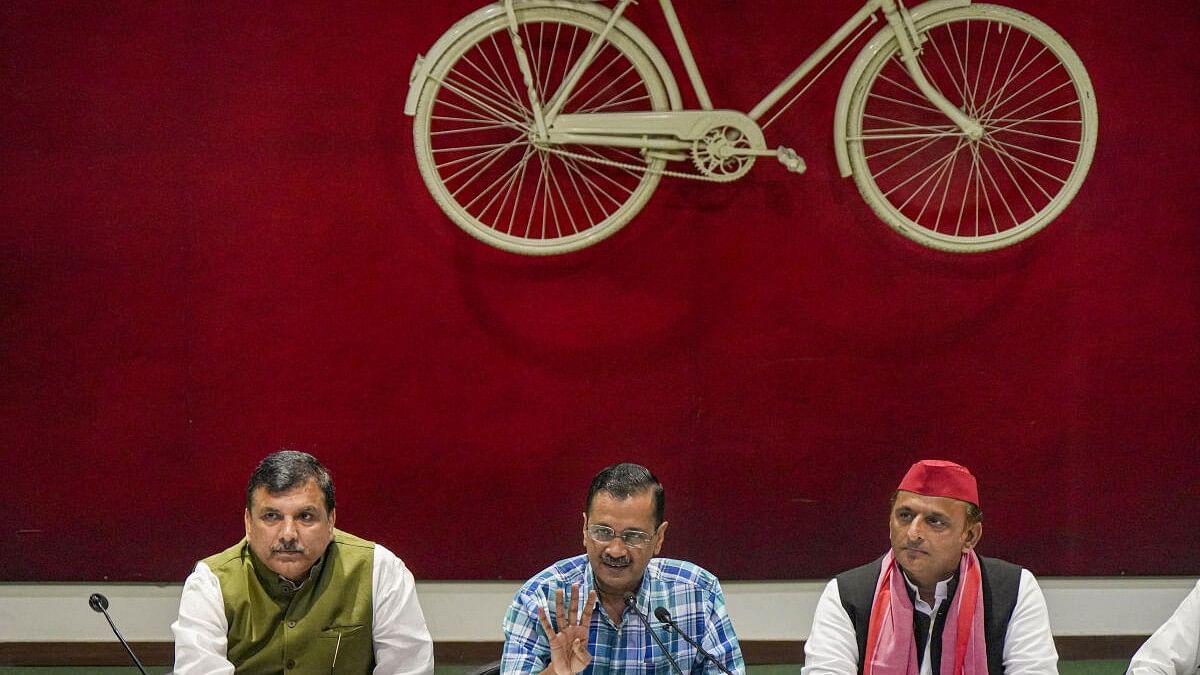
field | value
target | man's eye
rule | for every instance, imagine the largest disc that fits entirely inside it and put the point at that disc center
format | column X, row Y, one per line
column 270, row 516
column 306, row 516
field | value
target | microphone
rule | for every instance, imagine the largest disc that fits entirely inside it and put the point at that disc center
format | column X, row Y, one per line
column 631, row 603
column 664, row 616
column 99, row 603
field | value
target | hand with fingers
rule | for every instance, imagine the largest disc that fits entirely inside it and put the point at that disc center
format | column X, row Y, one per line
column 569, row 646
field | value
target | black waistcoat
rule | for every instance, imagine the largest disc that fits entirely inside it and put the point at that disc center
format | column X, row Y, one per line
column 1001, row 581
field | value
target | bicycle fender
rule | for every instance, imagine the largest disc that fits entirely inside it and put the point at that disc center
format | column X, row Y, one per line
column 860, row 64
column 424, row 62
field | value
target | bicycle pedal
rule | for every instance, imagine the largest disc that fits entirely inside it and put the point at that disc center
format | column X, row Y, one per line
column 789, row 159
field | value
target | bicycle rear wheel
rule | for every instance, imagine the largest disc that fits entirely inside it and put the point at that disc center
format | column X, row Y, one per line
column 473, row 133
column 1025, row 86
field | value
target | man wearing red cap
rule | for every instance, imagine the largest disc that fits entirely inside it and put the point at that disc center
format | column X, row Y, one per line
column 931, row 606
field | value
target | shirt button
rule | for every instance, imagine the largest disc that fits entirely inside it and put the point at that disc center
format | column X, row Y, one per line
column 291, row 664
column 291, row 624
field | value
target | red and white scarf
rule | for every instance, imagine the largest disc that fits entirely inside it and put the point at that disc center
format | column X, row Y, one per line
column 891, row 648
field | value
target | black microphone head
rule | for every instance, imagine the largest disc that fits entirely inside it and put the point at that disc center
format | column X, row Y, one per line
column 663, row 615
column 98, row 602
column 630, row 599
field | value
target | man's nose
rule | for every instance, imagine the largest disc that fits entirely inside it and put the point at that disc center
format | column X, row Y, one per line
column 916, row 529
column 616, row 548
column 288, row 531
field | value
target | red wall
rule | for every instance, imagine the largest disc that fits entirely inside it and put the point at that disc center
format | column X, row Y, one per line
column 215, row 243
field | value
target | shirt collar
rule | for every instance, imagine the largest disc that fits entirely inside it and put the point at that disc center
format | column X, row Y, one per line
column 941, row 591
column 278, row 587
column 642, row 595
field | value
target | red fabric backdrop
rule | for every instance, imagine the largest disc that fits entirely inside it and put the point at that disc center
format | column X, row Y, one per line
column 216, row 244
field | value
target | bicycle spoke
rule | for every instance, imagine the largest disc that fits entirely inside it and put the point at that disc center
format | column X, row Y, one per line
column 915, row 175
column 999, row 60
column 614, row 99
column 1039, row 98
column 880, row 97
column 1031, row 151
column 493, row 78
column 478, row 102
column 946, row 190
column 911, row 153
column 959, row 60
column 519, row 98
column 999, row 196
column 1040, row 118
column 1002, row 160
column 478, row 167
column 466, row 148
column 596, row 153
column 979, row 71
column 934, row 175
column 504, row 187
column 1000, row 99
column 468, row 130
column 901, row 125
column 945, row 172
column 923, row 140
column 489, row 89
column 491, row 160
column 899, row 85
column 1013, row 130
column 592, row 188
column 945, row 66
column 573, row 173
column 1024, row 167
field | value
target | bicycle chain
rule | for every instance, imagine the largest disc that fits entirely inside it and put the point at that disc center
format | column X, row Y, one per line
column 633, row 167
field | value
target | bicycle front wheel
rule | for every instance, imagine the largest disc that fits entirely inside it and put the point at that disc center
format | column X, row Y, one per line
column 474, row 133
column 923, row 176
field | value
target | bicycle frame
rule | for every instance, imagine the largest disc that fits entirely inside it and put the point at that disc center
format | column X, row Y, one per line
column 607, row 128
column 529, row 154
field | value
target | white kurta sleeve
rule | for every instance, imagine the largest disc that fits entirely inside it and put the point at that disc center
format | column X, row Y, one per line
column 400, row 638
column 831, row 648
column 1028, row 642
column 200, row 642
column 1173, row 649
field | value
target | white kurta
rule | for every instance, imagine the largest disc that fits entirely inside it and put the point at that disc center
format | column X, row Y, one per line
column 400, row 638
column 832, row 648
column 1173, row 649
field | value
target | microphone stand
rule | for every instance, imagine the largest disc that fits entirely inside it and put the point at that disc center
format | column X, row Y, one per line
column 99, row 603
column 664, row 616
column 631, row 603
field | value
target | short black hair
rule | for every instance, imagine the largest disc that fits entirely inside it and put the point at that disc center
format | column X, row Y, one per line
column 286, row 469
column 625, row 480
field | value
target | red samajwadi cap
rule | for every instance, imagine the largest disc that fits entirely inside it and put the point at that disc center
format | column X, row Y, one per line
column 939, row 478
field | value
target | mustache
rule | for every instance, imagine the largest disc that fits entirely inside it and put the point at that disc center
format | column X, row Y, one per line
column 288, row 547
column 607, row 559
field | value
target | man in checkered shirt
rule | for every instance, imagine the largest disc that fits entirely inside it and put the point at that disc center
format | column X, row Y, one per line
column 597, row 633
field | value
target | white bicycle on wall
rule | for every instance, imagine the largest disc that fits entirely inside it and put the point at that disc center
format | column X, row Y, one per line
column 543, row 126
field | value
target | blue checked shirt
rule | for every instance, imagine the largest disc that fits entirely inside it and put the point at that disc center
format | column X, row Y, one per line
column 691, row 594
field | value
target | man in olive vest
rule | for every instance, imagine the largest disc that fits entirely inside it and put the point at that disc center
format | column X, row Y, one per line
column 931, row 606
column 296, row 595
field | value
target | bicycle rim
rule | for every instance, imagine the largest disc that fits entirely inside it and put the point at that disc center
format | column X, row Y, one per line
column 1028, row 90
column 473, row 134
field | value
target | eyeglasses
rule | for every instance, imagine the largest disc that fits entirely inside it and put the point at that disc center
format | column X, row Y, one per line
column 602, row 534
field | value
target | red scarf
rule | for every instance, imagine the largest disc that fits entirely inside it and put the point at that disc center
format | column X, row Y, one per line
column 891, row 648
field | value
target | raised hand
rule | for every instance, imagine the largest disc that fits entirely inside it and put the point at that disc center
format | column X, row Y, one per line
column 568, row 647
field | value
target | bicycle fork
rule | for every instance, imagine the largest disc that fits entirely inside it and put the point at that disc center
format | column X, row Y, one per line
column 909, row 42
